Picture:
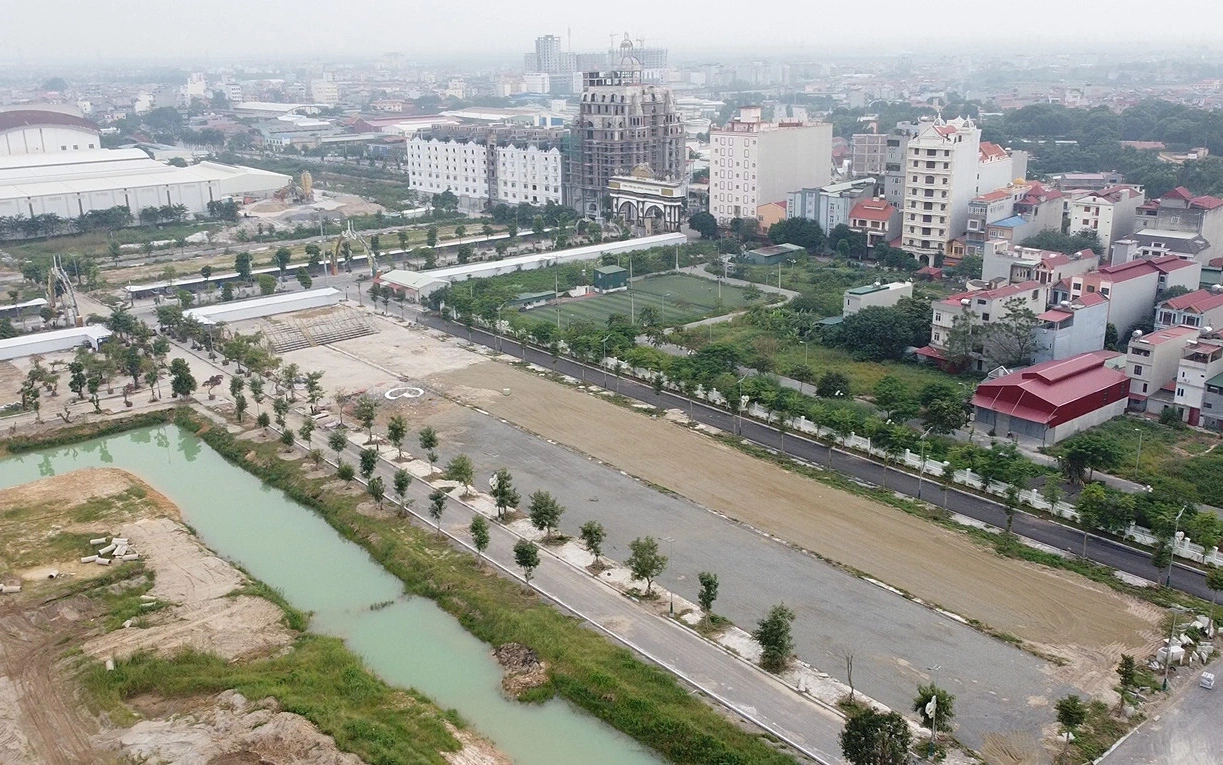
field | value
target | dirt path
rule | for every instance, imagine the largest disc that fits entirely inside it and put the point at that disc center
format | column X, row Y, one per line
column 1054, row 609
column 39, row 720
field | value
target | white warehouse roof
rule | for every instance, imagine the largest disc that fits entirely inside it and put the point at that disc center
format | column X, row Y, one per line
column 286, row 302
column 426, row 282
column 50, row 342
column 75, row 182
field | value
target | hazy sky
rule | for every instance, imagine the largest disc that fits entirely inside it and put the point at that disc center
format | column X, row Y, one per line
column 74, row 30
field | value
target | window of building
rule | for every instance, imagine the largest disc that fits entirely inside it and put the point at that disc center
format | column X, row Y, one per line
column 985, row 317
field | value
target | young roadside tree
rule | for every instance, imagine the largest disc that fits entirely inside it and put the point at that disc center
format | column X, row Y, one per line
column 460, row 469
column 286, row 440
column 1214, row 582
column 314, row 390
column 1127, row 671
column 1081, row 456
column 876, row 738
column 545, row 513
column 1161, row 558
column 396, row 432
column 943, row 708
column 593, row 534
column 401, row 481
column 428, row 441
column 369, row 462
column 263, row 420
column 773, row 633
column 645, row 562
column 479, row 535
column 526, row 555
column 281, row 407
column 345, row 472
column 182, row 382
column 505, row 495
column 437, row 506
column 376, row 489
column 239, row 406
column 366, row 412
column 708, row 593
column 336, row 442
column 893, row 397
column 306, row 431
column 1071, row 713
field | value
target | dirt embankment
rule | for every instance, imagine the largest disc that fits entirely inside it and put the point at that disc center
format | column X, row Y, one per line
column 1062, row 612
column 45, row 525
column 228, row 728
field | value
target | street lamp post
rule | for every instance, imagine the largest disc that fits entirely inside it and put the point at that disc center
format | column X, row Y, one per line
column 604, row 362
column 803, row 343
column 921, row 469
column 740, row 407
column 1138, row 459
column 1172, row 558
column 670, row 556
column 1176, row 610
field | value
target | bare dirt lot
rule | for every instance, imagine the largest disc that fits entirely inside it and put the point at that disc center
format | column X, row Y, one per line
column 45, row 526
column 1065, row 613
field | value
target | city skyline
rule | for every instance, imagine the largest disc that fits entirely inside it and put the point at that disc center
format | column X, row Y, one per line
column 227, row 29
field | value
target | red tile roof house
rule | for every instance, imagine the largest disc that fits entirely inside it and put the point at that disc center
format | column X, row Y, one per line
column 1199, row 309
column 1053, row 400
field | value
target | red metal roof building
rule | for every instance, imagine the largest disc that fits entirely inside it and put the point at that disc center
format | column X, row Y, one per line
column 1054, row 400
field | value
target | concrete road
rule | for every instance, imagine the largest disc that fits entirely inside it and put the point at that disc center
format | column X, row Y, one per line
column 1186, row 733
column 1101, row 550
column 737, row 685
column 893, row 639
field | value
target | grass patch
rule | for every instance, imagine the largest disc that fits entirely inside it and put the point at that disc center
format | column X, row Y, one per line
column 607, row 681
column 1180, row 457
column 1097, row 734
column 319, row 680
column 121, row 600
column 295, row 619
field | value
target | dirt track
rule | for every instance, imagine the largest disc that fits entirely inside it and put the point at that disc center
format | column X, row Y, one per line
column 1057, row 610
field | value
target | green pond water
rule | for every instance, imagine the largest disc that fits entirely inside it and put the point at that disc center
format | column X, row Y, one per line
column 411, row 643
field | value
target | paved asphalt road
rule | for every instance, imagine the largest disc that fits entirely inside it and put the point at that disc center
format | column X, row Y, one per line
column 1186, row 733
column 893, row 639
column 1104, row 551
column 750, row 691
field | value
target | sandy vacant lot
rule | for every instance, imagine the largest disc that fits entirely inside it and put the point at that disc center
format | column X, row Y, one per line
column 936, row 565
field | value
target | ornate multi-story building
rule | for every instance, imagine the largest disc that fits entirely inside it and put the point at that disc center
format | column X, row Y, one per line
column 489, row 164
column 623, row 123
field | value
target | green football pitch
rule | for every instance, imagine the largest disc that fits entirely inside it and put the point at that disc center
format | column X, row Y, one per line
column 677, row 298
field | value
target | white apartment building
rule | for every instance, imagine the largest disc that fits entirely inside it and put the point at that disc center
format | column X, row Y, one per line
column 1152, row 361
column 325, row 90
column 521, row 174
column 946, row 167
column 460, row 167
column 1201, row 363
column 1109, row 212
column 529, row 174
column 754, row 162
column 874, row 295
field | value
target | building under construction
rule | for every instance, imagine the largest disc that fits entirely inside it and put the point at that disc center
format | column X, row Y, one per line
column 623, row 123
